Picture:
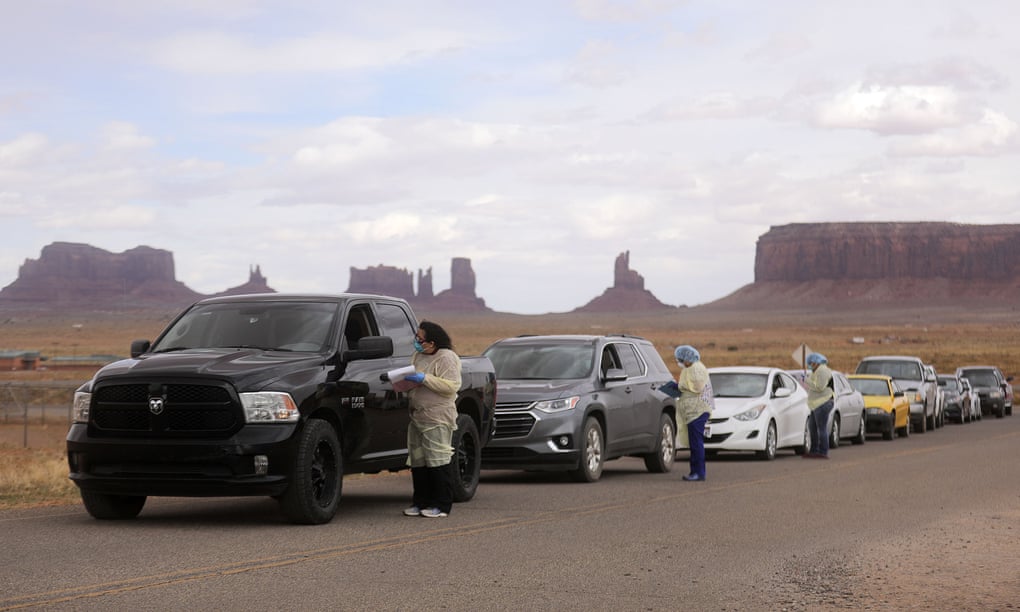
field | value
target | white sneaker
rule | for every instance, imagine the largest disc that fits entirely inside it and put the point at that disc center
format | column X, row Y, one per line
column 412, row 511
column 433, row 513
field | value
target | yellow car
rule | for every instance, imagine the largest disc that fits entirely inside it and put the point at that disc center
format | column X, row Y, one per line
column 887, row 405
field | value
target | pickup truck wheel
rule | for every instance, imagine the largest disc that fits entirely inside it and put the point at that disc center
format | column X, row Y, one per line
column 861, row 436
column 661, row 459
column 112, row 507
column 467, row 459
column 771, row 442
column 592, row 452
column 316, row 479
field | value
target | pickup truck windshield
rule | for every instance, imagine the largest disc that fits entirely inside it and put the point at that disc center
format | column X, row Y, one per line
column 537, row 361
column 284, row 326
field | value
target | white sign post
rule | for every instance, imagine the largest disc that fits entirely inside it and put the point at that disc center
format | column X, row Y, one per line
column 800, row 355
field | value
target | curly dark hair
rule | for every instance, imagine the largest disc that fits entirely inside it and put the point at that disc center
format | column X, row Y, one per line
column 433, row 332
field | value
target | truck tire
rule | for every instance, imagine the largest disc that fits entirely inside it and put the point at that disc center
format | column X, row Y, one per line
column 316, row 479
column 660, row 460
column 112, row 507
column 467, row 459
column 592, row 452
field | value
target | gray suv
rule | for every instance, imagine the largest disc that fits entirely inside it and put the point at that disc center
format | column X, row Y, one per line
column 572, row 402
column 918, row 382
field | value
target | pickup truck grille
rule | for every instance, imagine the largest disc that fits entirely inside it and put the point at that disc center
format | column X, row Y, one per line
column 187, row 409
column 513, row 425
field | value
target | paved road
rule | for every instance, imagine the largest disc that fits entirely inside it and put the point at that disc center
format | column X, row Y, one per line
column 788, row 534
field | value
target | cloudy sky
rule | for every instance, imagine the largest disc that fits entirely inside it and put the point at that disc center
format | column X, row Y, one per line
column 538, row 138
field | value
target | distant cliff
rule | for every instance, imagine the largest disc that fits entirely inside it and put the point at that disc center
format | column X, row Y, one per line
column 71, row 275
column 847, row 264
column 399, row 282
column 834, row 251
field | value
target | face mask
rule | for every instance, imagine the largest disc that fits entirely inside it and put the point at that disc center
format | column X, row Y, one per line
column 418, row 347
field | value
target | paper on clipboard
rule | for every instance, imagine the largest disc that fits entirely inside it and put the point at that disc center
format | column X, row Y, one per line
column 397, row 378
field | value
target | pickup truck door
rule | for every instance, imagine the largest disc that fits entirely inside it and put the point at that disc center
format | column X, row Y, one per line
column 383, row 414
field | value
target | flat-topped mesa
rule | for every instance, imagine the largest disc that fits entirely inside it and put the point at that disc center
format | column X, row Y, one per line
column 835, row 251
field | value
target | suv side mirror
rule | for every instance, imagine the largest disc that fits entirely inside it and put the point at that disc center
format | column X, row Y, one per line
column 614, row 374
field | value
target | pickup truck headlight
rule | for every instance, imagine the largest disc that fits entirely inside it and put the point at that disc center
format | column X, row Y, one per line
column 751, row 413
column 80, row 408
column 269, row 407
column 557, row 405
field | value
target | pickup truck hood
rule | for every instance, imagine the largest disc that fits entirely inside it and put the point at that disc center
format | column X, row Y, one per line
column 512, row 391
column 236, row 365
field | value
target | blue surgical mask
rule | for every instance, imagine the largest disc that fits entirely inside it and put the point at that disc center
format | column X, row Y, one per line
column 418, row 347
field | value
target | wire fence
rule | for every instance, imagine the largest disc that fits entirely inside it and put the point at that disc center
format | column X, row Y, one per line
column 34, row 404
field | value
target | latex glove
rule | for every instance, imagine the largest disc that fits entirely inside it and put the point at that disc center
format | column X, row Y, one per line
column 417, row 377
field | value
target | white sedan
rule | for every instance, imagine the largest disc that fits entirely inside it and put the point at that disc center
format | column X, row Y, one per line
column 757, row 409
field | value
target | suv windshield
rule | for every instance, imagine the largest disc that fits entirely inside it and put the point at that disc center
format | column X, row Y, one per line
column 900, row 370
column 281, row 326
column 541, row 361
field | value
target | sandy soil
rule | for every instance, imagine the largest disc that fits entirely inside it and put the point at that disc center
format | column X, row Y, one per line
column 962, row 563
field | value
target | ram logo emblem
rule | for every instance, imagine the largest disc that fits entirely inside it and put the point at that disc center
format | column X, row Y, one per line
column 156, row 405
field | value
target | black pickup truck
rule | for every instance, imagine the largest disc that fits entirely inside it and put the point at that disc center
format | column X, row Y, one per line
column 267, row 394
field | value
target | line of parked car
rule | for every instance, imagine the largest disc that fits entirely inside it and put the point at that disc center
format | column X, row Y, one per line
column 572, row 402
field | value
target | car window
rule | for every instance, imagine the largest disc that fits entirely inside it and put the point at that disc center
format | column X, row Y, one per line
column 870, row 386
column 541, row 361
column 632, row 363
column 981, row 378
column 738, row 384
column 901, row 370
column 394, row 322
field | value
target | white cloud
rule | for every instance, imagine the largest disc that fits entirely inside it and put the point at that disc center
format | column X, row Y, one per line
column 219, row 53
column 892, row 109
column 23, row 149
column 993, row 134
column 120, row 135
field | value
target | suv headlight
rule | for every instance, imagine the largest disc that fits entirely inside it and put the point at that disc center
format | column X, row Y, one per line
column 751, row 413
column 80, row 408
column 557, row 405
column 269, row 407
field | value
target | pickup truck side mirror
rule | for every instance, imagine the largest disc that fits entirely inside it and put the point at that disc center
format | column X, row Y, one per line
column 370, row 347
column 614, row 374
column 139, row 346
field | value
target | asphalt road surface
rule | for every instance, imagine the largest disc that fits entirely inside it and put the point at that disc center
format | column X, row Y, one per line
column 927, row 522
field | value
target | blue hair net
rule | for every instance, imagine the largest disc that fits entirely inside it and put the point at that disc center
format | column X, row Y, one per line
column 686, row 352
column 814, row 358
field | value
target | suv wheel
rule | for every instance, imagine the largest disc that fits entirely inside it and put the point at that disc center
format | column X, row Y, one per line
column 592, row 452
column 661, row 459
